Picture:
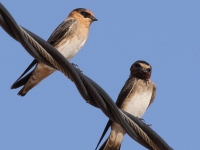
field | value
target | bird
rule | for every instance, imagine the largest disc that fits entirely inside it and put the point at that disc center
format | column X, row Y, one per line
column 68, row 38
column 135, row 97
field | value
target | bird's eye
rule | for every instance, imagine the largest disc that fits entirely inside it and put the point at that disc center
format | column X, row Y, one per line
column 85, row 14
column 149, row 69
column 137, row 65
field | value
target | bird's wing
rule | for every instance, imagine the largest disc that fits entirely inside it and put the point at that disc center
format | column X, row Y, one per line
column 104, row 132
column 153, row 94
column 61, row 31
column 125, row 91
column 122, row 96
column 21, row 81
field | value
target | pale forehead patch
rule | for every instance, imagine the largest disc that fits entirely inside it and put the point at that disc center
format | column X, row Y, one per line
column 145, row 66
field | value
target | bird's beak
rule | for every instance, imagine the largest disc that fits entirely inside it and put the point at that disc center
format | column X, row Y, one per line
column 94, row 19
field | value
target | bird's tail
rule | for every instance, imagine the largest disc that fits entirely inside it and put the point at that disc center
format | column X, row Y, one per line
column 35, row 78
column 27, row 82
column 115, row 138
column 32, row 79
column 104, row 144
column 21, row 81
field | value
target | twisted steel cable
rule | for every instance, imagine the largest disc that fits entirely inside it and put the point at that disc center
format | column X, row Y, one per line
column 89, row 90
column 42, row 51
column 141, row 132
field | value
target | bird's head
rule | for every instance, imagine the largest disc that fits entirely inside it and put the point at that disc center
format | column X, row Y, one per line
column 141, row 69
column 83, row 15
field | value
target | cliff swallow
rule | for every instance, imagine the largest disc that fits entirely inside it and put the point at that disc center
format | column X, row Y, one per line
column 68, row 38
column 135, row 97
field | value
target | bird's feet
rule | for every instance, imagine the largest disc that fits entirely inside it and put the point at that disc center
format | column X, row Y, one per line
column 141, row 119
column 76, row 66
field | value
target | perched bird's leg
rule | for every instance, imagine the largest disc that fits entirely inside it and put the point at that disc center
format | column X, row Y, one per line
column 149, row 125
column 76, row 66
column 141, row 119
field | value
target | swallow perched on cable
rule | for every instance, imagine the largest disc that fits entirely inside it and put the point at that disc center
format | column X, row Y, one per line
column 68, row 38
column 135, row 97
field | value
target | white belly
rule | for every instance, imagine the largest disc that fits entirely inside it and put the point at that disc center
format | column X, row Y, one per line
column 138, row 101
column 70, row 47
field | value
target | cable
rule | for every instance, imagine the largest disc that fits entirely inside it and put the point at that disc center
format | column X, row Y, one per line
column 89, row 90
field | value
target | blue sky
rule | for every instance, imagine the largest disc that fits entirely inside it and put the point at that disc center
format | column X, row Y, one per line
column 53, row 115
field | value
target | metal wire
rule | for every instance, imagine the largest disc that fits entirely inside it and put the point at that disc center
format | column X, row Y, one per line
column 89, row 90
column 141, row 132
column 43, row 52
